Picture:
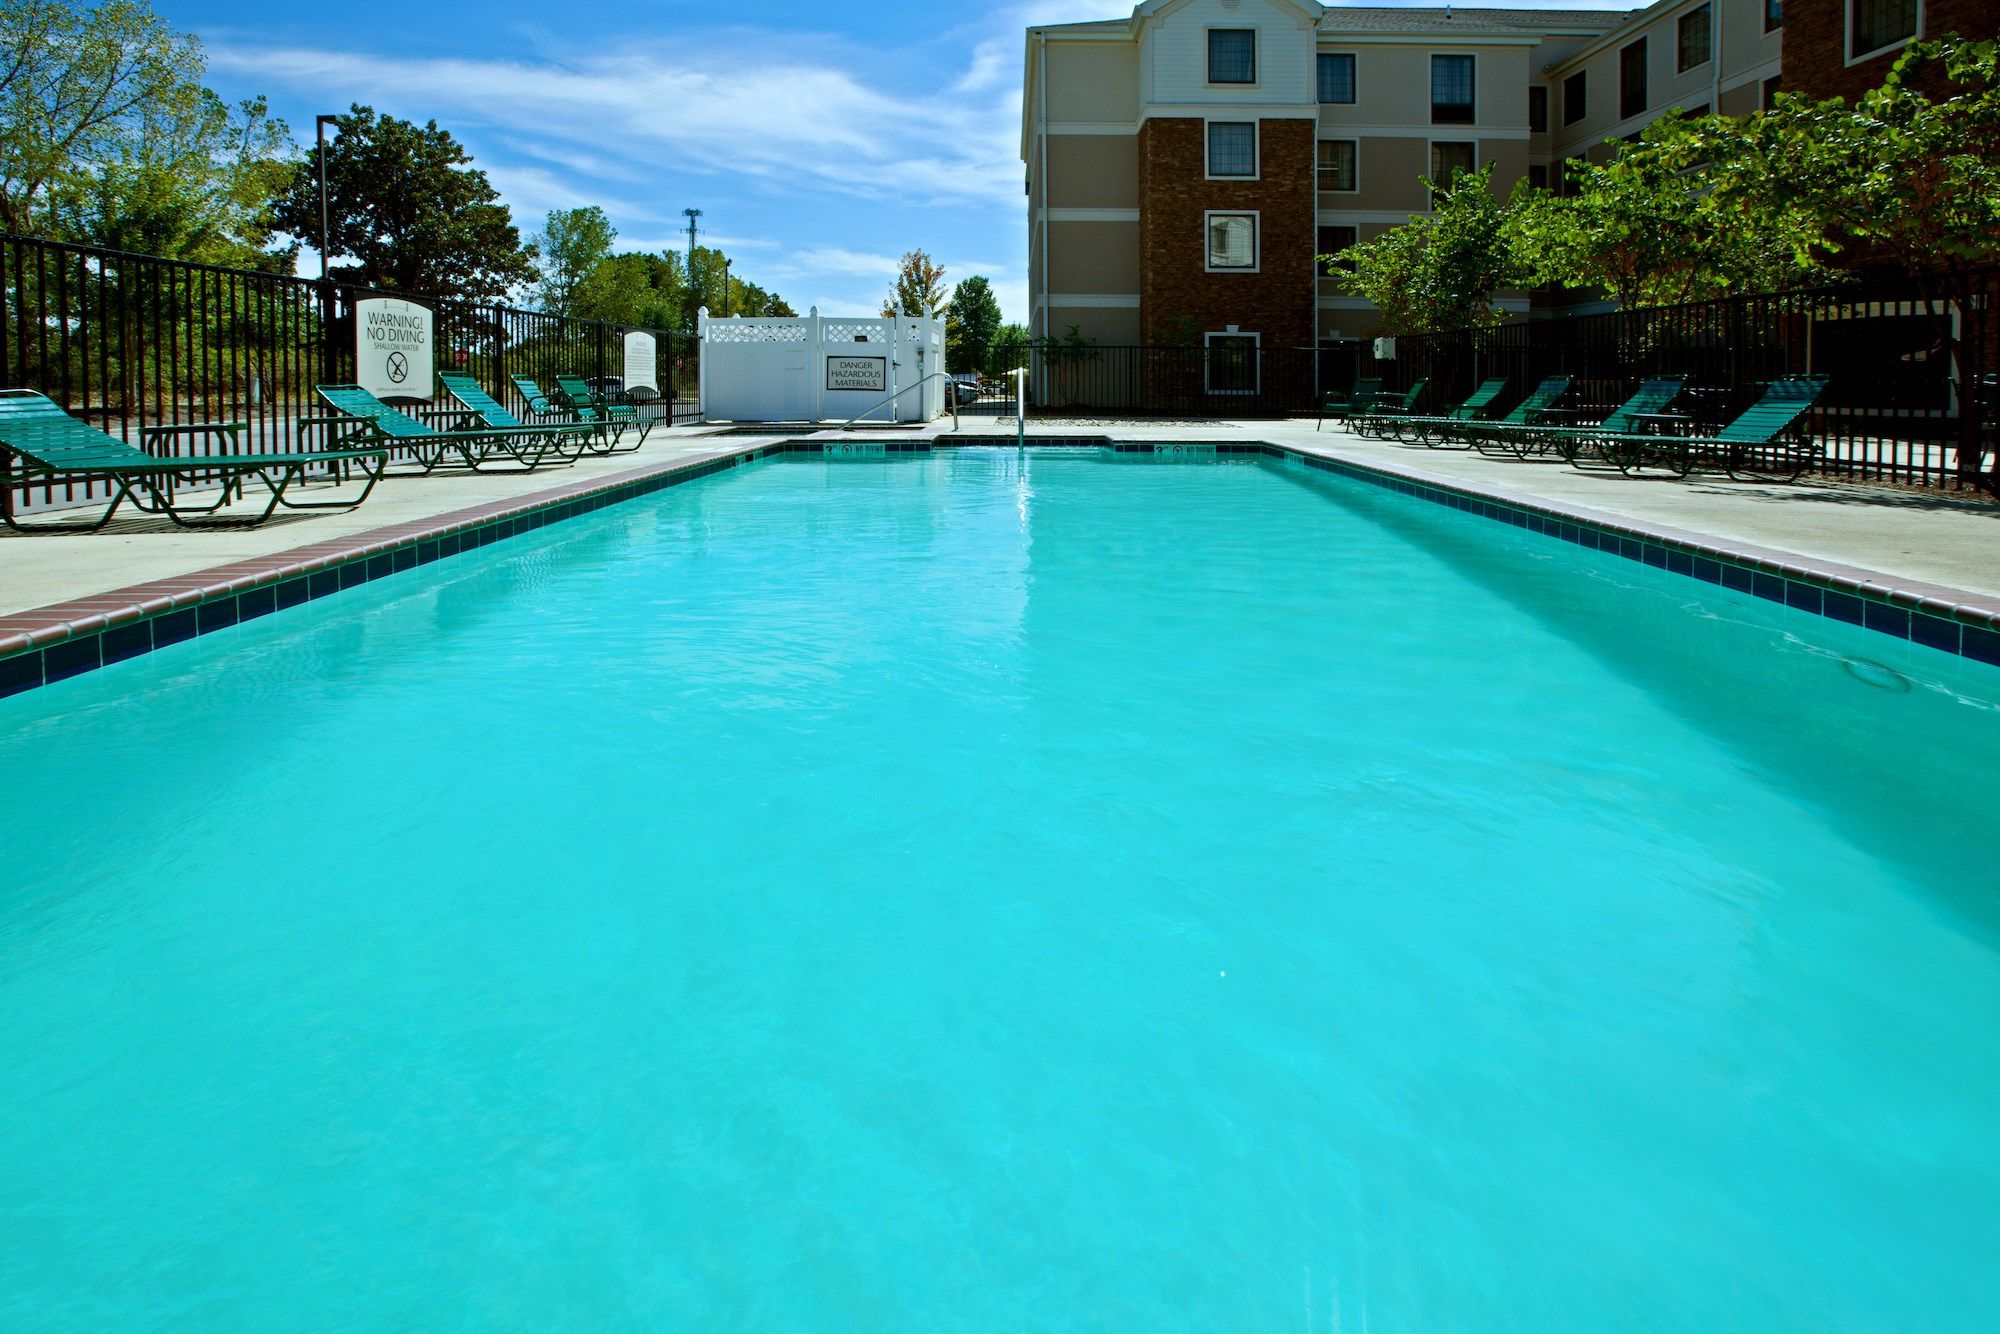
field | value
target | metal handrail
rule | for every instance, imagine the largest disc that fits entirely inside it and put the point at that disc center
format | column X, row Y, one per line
column 951, row 398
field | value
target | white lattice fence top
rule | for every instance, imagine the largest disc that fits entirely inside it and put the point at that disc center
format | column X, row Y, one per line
column 854, row 331
column 756, row 331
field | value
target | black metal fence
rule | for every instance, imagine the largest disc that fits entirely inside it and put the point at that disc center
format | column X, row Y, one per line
column 1911, row 368
column 1911, row 395
column 128, row 341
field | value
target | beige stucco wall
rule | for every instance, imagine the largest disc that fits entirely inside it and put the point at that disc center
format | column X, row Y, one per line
column 1093, row 171
column 1095, row 257
column 1093, row 81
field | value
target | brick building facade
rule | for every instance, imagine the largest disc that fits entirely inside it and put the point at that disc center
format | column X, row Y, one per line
column 1827, row 53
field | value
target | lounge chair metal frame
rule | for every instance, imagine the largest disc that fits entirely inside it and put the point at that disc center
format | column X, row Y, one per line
column 1431, row 431
column 41, row 444
column 589, row 405
column 1334, row 403
column 1775, row 423
column 469, row 394
column 366, row 421
column 1385, row 406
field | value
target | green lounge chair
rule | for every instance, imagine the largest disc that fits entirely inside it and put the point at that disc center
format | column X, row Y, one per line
column 1385, row 404
column 1571, row 442
column 1413, row 429
column 588, row 405
column 1767, row 438
column 1334, row 403
column 472, row 396
column 42, row 444
column 538, row 402
column 1496, row 436
column 368, row 422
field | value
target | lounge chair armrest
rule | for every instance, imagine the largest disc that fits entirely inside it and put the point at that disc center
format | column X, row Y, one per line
column 195, row 428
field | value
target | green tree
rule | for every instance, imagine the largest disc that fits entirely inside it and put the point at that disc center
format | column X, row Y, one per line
column 409, row 210
column 1009, row 349
column 568, row 250
column 1444, row 269
column 1648, row 228
column 107, row 136
column 1898, row 179
column 919, row 287
column 971, row 320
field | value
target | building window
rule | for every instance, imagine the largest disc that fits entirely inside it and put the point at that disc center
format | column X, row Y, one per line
column 1337, row 162
column 1447, row 160
column 1573, row 98
column 1232, row 242
column 1774, row 15
column 1877, row 25
column 1232, row 363
column 1232, row 148
column 1538, row 110
column 1538, row 176
column 1693, row 38
column 1451, row 90
column 1232, row 55
column 1332, row 241
column 1632, row 79
column 1336, row 77
column 1770, row 94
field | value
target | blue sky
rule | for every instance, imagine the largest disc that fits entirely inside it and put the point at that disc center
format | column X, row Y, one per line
column 819, row 140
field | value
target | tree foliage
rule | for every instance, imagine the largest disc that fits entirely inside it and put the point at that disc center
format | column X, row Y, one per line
column 1899, row 178
column 108, row 137
column 1009, row 349
column 1648, row 228
column 1441, row 270
column 919, row 287
column 408, row 210
column 970, row 322
column 569, row 248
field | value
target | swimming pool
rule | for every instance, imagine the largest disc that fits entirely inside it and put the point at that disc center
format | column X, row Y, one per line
column 992, row 889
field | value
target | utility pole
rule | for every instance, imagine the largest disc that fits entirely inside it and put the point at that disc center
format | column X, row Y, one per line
column 325, row 242
column 726, row 308
column 692, row 214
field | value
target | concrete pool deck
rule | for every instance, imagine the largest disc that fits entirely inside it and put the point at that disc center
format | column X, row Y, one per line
column 1941, row 549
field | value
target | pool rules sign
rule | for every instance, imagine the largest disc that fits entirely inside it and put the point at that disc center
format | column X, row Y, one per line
column 393, row 355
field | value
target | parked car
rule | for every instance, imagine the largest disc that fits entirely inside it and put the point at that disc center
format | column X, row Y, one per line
column 966, row 389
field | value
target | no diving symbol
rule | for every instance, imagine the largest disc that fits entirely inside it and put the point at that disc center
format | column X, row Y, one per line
column 399, row 368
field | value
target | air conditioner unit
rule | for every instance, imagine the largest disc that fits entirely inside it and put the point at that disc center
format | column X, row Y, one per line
column 1385, row 349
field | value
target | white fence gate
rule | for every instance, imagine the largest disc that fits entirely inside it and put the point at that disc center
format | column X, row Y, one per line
column 817, row 368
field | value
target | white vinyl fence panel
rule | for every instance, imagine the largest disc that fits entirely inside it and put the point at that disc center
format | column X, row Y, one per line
column 820, row 368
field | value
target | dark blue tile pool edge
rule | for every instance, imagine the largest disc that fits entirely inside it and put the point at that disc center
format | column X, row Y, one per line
column 1902, row 615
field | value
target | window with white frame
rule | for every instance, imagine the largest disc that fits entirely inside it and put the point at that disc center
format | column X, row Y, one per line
column 1576, row 98
column 1450, row 159
column 1232, row 55
column 1878, row 25
column 1632, row 79
column 1692, row 39
column 1338, row 163
column 1231, row 363
column 1334, row 240
column 1230, row 243
column 1336, row 76
column 1232, row 148
column 1451, row 90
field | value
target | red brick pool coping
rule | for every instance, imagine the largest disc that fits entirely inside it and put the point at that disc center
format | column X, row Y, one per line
column 51, row 643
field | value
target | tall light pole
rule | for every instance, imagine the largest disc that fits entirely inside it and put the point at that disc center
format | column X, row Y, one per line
column 325, row 242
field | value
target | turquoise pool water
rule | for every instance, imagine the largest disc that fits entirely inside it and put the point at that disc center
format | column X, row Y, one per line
column 999, row 890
